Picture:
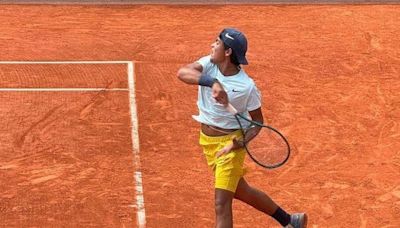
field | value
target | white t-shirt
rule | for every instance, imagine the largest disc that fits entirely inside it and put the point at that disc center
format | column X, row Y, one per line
column 242, row 94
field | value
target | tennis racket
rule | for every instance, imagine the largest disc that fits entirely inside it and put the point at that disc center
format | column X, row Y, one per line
column 269, row 149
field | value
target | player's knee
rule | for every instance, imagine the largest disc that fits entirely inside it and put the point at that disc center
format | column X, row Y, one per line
column 222, row 206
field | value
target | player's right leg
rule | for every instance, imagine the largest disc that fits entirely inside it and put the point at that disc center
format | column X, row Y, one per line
column 223, row 208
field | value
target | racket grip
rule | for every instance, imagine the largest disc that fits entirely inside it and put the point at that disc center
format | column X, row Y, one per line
column 231, row 109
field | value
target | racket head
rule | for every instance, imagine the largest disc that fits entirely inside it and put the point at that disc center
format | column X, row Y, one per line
column 269, row 149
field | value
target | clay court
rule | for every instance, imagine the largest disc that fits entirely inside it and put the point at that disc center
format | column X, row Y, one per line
column 96, row 129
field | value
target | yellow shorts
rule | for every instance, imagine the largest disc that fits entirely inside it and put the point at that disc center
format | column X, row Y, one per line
column 228, row 168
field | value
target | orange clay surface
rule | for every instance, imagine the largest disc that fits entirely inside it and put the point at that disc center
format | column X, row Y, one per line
column 329, row 77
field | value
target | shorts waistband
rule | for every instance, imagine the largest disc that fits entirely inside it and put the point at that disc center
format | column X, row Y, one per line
column 230, row 136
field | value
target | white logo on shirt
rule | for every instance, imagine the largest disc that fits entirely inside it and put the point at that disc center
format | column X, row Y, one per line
column 228, row 36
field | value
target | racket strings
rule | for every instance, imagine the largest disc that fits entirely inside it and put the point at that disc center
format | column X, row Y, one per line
column 268, row 148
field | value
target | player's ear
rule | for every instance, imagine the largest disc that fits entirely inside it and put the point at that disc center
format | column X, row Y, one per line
column 228, row 52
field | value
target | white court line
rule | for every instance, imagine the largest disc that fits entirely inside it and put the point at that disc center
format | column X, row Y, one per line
column 141, row 214
column 65, row 62
column 60, row 89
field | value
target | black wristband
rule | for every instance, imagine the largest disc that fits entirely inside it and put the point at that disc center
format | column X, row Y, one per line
column 206, row 80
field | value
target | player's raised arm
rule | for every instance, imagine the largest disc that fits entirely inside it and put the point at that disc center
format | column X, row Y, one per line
column 190, row 74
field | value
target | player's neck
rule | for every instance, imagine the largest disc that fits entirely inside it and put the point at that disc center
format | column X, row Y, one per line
column 228, row 69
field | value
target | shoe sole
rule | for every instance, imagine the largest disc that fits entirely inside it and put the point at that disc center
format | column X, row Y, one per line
column 305, row 220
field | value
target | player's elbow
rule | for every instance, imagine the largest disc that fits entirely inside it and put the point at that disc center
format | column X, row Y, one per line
column 260, row 121
column 181, row 74
column 185, row 75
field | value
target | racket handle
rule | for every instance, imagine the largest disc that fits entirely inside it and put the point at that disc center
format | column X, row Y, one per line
column 231, row 109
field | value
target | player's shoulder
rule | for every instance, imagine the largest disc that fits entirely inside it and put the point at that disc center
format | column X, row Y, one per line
column 247, row 81
column 205, row 60
column 206, row 63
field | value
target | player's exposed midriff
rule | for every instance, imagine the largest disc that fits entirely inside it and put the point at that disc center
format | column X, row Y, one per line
column 215, row 131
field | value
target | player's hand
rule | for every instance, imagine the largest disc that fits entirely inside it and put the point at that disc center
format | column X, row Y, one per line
column 225, row 150
column 219, row 94
column 228, row 148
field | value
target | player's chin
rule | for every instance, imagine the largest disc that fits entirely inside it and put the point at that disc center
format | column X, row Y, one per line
column 212, row 59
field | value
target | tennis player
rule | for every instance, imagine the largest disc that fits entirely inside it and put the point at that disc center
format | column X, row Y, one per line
column 221, row 81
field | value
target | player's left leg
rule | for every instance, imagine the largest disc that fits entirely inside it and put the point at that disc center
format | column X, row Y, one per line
column 261, row 201
column 255, row 198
